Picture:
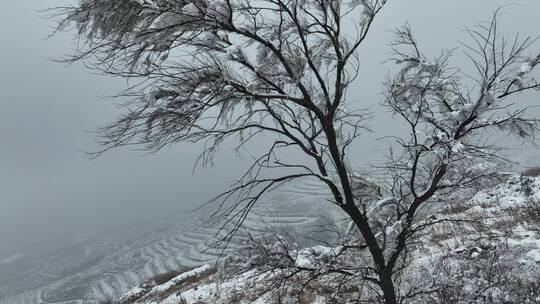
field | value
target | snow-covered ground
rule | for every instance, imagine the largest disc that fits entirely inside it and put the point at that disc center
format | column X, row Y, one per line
column 505, row 225
column 492, row 257
column 103, row 268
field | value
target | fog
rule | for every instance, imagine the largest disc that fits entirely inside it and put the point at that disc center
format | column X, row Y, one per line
column 51, row 195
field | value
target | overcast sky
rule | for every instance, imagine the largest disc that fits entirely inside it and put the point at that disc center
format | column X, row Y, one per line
column 50, row 194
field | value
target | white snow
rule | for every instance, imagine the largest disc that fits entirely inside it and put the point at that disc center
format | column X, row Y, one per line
column 165, row 20
column 534, row 255
column 211, row 292
column 233, row 52
column 220, row 9
column 180, row 278
column 525, row 67
column 132, row 292
column 302, row 261
column 457, row 147
column 306, row 256
column 191, row 9
column 147, row 3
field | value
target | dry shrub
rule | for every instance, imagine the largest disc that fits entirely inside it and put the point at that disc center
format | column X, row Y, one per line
column 167, row 276
column 532, row 172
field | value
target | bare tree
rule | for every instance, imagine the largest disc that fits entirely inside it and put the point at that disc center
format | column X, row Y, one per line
column 452, row 116
column 211, row 70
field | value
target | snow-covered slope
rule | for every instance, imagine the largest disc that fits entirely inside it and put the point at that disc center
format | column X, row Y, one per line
column 103, row 268
column 487, row 252
column 506, row 222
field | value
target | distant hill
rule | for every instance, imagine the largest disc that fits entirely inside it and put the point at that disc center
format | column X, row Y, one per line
column 103, row 268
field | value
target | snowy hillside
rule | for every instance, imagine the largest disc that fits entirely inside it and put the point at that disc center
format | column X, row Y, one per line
column 103, row 268
column 486, row 251
column 502, row 232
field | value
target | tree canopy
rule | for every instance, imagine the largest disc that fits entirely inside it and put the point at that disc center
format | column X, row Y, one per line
column 209, row 70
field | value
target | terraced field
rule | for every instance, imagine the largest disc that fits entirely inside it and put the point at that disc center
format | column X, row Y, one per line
column 100, row 269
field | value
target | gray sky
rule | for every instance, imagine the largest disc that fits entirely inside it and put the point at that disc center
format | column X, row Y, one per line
column 51, row 194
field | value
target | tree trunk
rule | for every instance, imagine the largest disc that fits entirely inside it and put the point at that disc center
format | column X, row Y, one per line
column 388, row 289
column 385, row 273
